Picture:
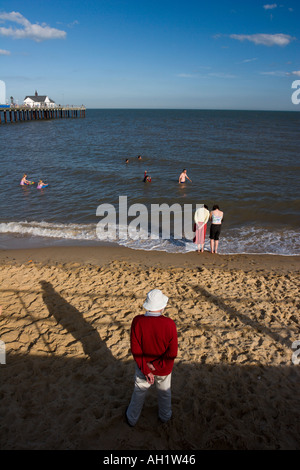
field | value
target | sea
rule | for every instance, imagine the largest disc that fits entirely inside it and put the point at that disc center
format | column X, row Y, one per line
column 247, row 162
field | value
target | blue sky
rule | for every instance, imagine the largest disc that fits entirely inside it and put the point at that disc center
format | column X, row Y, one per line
column 218, row 54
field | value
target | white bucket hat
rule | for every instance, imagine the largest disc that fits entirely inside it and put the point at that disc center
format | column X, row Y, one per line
column 155, row 301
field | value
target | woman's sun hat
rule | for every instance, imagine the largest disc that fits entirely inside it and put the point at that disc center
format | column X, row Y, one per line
column 155, row 300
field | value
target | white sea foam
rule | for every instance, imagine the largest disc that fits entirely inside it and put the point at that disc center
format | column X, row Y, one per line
column 250, row 240
column 50, row 230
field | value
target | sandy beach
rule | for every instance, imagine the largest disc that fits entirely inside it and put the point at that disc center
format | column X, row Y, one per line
column 68, row 377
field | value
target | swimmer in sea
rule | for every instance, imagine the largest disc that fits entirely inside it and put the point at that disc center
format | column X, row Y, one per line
column 147, row 178
column 24, row 181
column 126, row 161
column 41, row 185
column 183, row 176
column 139, row 157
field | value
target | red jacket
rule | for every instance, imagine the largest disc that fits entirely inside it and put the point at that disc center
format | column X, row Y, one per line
column 154, row 339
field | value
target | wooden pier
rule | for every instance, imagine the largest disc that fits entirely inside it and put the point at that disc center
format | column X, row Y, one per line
column 23, row 113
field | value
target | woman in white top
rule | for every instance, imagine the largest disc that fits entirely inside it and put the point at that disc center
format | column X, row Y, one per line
column 201, row 218
column 216, row 217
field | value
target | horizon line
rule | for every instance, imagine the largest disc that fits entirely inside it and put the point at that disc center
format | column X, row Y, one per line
column 195, row 109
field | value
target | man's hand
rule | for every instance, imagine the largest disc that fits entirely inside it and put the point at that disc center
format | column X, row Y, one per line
column 150, row 378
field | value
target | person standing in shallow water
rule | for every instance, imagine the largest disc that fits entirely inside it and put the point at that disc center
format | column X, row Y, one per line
column 216, row 217
column 24, row 181
column 154, row 347
column 183, row 177
column 201, row 218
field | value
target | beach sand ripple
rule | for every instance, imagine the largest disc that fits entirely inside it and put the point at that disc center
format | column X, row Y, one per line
column 68, row 375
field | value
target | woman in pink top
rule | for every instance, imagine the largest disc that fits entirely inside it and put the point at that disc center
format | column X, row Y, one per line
column 24, row 181
column 41, row 185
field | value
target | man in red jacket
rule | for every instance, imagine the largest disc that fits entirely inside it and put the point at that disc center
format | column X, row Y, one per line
column 154, row 347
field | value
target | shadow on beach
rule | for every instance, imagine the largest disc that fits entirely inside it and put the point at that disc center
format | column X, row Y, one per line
column 52, row 401
column 73, row 322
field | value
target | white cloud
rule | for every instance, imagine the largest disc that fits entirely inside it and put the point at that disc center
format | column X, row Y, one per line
column 270, row 7
column 222, row 75
column 280, row 73
column 276, row 73
column 74, row 23
column 4, row 52
column 265, row 39
column 206, row 75
column 36, row 32
column 246, row 61
column 186, row 75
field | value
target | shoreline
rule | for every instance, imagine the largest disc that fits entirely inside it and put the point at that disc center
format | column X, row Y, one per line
column 237, row 240
column 102, row 255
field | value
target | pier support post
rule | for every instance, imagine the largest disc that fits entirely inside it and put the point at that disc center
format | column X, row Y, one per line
column 25, row 113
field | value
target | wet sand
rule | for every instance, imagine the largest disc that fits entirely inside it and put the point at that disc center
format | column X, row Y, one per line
column 68, row 377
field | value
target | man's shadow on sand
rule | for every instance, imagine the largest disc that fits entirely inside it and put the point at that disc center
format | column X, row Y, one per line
column 73, row 322
column 72, row 402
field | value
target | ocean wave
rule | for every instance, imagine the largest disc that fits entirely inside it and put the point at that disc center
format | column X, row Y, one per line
column 243, row 240
column 50, row 230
